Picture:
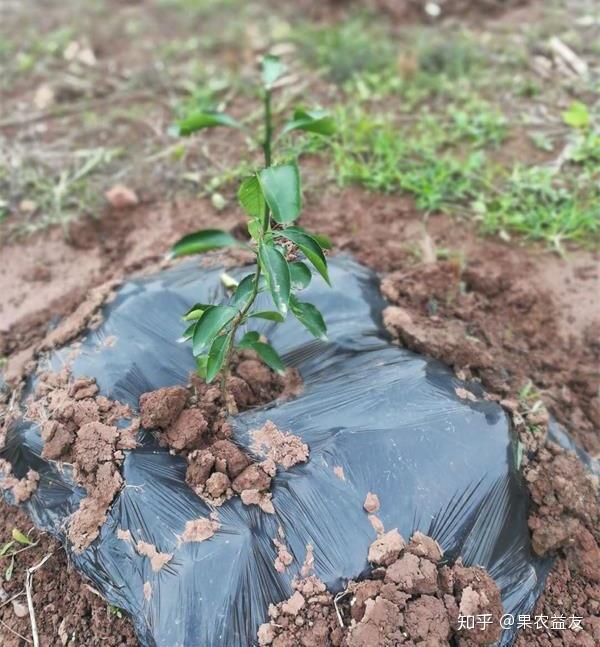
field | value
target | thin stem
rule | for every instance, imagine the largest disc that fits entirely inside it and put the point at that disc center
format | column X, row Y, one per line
column 239, row 318
column 268, row 128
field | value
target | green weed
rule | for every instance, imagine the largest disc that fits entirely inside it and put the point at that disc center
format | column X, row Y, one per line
column 346, row 49
column 478, row 123
column 535, row 203
column 53, row 197
column 440, row 160
column 454, row 57
column 114, row 611
column 417, row 158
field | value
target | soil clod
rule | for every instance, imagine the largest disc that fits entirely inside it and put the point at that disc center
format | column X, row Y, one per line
column 414, row 600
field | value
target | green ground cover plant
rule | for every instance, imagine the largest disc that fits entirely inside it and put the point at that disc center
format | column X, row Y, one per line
column 446, row 161
column 271, row 197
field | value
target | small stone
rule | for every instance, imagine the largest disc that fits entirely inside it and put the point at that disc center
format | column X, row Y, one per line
column 20, row 609
column 44, row 97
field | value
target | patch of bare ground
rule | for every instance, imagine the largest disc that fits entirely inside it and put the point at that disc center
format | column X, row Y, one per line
column 407, row 11
column 68, row 610
column 47, row 276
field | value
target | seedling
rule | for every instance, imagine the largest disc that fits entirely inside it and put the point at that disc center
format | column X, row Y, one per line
column 271, row 199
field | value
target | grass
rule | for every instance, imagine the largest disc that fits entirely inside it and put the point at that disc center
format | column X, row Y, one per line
column 345, row 49
column 444, row 161
column 429, row 111
column 430, row 117
column 537, row 203
column 419, row 155
column 22, row 57
column 47, row 194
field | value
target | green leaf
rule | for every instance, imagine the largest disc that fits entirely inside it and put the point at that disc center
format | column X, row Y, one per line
column 251, row 197
column 324, row 241
column 244, row 290
column 17, row 535
column 203, row 119
column 201, row 364
column 310, row 317
column 251, row 341
column 269, row 356
column 270, row 315
column 217, row 355
column 272, row 69
column 312, row 121
column 6, row 547
column 255, row 229
column 281, row 189
column 196, row 311
column 577, row 116
column 311, row 249
column 300, row 275
column 188, row 333
column 277, row 273
column 251, row 337
column 209, row 326
column 115, row 611
column 203, row 241
column 193, row 314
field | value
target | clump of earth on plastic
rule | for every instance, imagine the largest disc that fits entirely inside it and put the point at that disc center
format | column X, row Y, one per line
column 80, row 427
column 22, row 488
column 411, row 598
column 193, row 421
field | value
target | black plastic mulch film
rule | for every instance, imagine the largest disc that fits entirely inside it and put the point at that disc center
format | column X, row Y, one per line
column 389, row 418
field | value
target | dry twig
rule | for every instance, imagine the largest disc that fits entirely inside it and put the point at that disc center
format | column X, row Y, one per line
column 29, row 591
column 339, row 596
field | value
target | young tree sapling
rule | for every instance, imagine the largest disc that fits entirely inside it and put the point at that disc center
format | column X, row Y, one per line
column 271, row 199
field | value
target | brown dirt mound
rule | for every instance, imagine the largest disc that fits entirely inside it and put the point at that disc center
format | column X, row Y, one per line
column 385, row 232
column 412, row 599
column 486, row 322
